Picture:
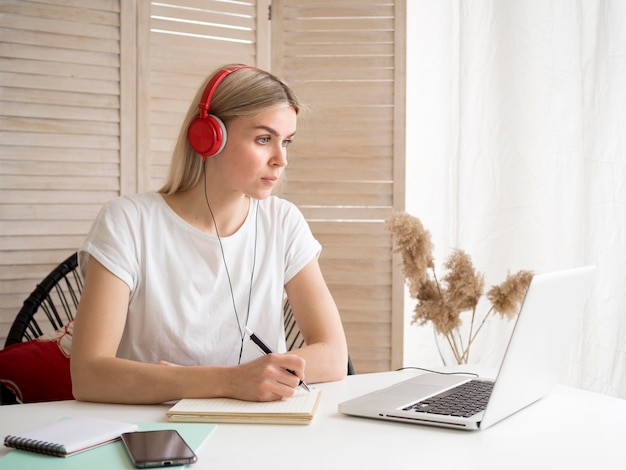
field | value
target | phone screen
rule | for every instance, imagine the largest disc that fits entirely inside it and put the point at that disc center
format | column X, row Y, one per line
column 163, row 448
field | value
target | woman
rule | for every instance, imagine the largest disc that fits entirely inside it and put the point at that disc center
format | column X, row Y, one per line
column 174, row 278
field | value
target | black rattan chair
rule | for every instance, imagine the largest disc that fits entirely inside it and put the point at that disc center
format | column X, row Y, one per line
column 49, row 307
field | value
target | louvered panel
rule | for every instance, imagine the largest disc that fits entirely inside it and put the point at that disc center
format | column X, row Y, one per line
column 59, row 133
column 339, row 56
column 188, row 40
column 61, row 86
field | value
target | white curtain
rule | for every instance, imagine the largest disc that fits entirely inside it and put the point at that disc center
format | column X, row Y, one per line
column 516, row 153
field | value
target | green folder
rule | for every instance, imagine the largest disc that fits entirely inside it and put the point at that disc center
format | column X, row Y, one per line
column 106, row 457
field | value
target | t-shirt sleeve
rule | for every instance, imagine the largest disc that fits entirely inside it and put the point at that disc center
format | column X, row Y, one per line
column 301, row 246
column 112, row 241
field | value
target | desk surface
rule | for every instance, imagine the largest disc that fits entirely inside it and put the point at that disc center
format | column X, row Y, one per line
column 544, row 435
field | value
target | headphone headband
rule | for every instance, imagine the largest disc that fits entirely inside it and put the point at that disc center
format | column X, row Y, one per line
column 207, row 133
column 209, row 90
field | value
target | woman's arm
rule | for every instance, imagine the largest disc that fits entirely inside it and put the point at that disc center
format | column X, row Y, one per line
column 98, row 375
column 316, row 314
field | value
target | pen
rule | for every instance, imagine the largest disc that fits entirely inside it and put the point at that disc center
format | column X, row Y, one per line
column 266, row 350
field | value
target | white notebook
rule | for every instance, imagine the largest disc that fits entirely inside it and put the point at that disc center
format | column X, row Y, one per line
column 69, row 436
column 298, row 409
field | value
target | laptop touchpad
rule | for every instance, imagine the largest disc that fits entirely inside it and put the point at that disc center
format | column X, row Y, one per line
column 422, row 386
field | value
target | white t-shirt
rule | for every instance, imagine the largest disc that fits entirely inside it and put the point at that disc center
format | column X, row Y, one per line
column 181, row 307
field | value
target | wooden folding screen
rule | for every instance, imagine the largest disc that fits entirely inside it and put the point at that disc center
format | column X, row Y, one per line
column 92, row 93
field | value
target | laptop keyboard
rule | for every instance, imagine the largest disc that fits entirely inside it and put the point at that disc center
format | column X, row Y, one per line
column 464, row 400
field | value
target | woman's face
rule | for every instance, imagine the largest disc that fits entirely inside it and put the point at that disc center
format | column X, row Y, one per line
column 255, row 154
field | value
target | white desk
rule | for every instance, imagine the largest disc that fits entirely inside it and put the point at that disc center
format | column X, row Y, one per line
column 543, row 435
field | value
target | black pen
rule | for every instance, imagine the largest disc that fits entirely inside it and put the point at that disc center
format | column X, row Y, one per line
column 266, row 350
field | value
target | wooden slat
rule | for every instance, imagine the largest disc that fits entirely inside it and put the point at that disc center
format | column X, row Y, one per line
column 52, row 112
column 104, row 5
column 340, row 9
column 36, row 227
column 45, row 153
column 59, row 55
column 59, row 140
column 60, row 41
column 78, row 13
column 36, row 243
column 59, row 126
column 24, row 95
column 81, row 192
column 67, row 84
column 338, row 67
column 361, row 172
column 49, row 212
column 344, row 214
column 338, row 23
column 339, row 36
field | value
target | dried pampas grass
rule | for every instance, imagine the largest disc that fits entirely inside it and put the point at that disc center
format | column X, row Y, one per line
column 442, row 302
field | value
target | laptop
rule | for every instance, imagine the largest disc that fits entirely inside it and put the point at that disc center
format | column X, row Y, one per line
column 532, row 363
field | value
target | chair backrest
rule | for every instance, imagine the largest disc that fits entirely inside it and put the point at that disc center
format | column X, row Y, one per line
column 293, row 336
column 51, row 305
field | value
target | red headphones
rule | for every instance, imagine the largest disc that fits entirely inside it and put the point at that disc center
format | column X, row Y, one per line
column 207, row 133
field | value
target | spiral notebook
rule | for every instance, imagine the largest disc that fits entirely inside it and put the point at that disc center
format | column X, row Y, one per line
column 69, row 436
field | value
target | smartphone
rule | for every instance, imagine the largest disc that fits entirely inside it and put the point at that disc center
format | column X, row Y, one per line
column 164, row 448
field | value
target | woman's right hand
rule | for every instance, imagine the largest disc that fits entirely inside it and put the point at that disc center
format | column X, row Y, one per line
column 267, row 378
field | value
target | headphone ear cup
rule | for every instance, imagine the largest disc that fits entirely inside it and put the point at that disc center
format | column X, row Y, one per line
column 207, row 135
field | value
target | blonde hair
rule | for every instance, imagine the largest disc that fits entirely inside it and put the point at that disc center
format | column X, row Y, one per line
column 245, row 92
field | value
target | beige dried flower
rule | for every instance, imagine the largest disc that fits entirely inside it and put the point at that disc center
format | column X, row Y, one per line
column 441, row 303
column 507, row 297
column 431, row 307
column 464, row 284
column 415, row 245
